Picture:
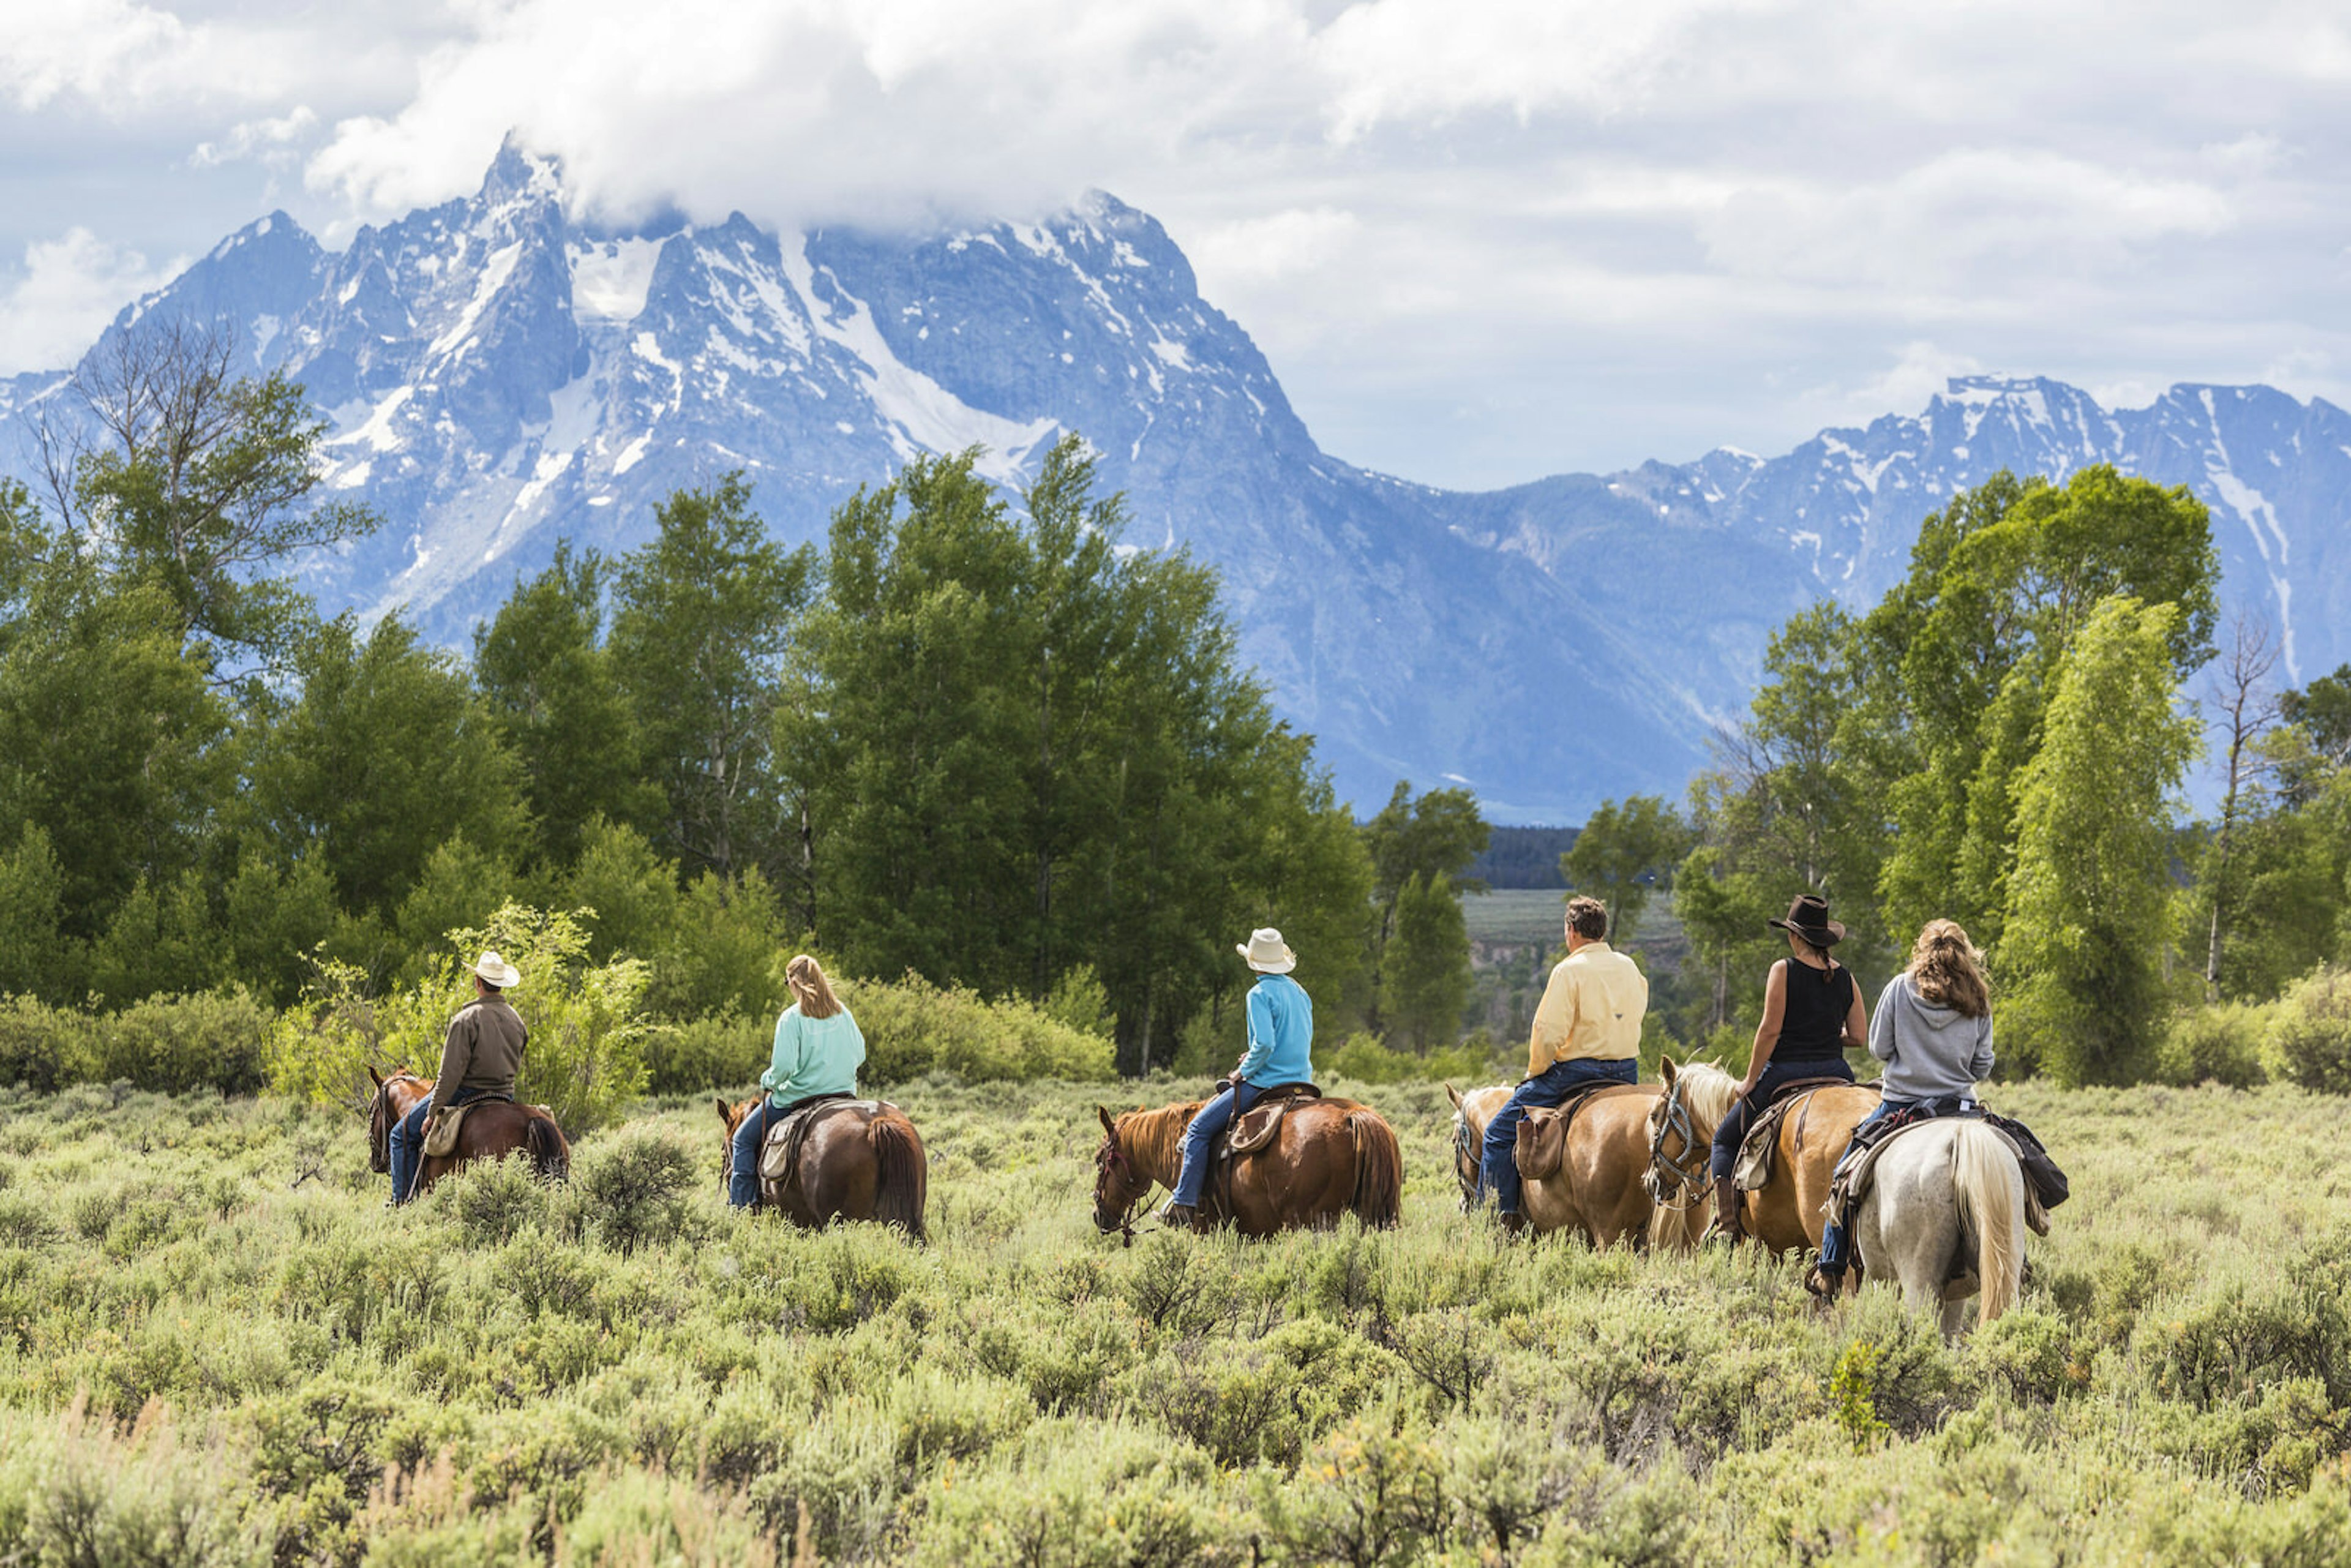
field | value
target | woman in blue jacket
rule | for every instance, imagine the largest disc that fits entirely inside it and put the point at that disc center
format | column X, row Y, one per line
column 819, row 1049
column 1281, row 1041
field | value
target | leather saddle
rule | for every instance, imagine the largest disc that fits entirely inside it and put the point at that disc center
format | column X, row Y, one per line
column 1257, row 1127
column 1542, row 1136
column 1759, row 1152
column 779, row 1157
column 1854, row 1171
column 441, row 1128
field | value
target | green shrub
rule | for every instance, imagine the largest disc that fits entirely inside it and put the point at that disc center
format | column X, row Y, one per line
column 707, row 1053
column 2214, row 1045
column 632, row 1187
column 173, row 1045
column 46, row 1048
column 1364, row 1058
column 913, row 1027
column 2310, row 1036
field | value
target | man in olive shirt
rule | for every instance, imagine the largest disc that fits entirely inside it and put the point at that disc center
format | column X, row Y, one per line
column 1587, row 1030
column 480, row 1058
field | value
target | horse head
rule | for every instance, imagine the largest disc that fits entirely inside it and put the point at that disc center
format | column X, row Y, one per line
column 1118, row 1185
column 383, row 1114
column 1679, row 1148
column 731, row 1117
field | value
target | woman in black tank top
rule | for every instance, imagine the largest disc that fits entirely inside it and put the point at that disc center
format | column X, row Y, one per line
column 1812, row 1016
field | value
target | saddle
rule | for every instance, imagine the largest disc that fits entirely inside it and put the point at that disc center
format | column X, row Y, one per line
column 1859, row 1165
column 1257, row 1127
column 779, row 1157
column 1758, row 1154
column 440, row 1128
column 1542, row 1136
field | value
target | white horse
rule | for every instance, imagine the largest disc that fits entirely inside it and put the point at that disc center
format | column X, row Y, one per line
column 1934, row 1188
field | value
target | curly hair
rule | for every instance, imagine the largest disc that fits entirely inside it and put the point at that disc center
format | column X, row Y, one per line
column 1588, row 918
column 1948, row 970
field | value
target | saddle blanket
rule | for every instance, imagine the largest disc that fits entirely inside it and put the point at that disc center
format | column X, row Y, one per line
column 1759, row 1154
column 779, row 1157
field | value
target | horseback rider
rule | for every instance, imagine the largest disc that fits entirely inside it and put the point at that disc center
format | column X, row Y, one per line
column 1933, row 1031
column 1587, row 1030
column 480, row 1057
column 1812, row 1016
column 1280, row 1046
column 819, row 1049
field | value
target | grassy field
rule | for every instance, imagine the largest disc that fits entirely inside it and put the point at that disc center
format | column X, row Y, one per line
column 217, row 1347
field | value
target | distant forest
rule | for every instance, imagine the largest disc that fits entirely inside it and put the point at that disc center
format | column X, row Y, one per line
column 1523, row 857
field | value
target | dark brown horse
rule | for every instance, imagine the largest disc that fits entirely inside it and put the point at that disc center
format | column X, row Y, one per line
column 861, row 1159
column 1331, row 1157
column 493, row 1129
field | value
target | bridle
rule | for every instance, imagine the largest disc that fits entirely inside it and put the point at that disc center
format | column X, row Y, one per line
column 1108, row 1158
column 379, row 1115
column 1683, row 1177
column 1465, row 1160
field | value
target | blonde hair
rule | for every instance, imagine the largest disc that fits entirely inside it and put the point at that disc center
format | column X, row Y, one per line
column 810, row 989
column 1948, row 970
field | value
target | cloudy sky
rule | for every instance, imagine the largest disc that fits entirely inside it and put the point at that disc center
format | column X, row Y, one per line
column 1480, row 240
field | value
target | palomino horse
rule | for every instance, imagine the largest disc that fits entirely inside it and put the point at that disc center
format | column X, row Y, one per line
column 493, row 1129
column 1786, row 1214
column 1597, row 1186
column 860, row 1159
column 1934, row 1188
column 1328, row 1157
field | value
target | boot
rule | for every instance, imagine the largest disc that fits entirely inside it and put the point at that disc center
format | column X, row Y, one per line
column 1728, row 1224
column 1513, row 1226
column 1179, row 1216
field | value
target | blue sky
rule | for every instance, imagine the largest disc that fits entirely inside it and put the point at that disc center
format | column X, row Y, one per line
column 1480, row 242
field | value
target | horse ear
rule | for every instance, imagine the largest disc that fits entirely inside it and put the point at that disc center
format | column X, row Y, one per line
column 374, row 1074
column 1666, row 1069
column 1452, row 1094
column 722, row 1112
column 1109, row 1125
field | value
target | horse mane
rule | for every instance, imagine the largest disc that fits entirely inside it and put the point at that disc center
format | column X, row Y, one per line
column 1154, row 1139
column 1708, row 1091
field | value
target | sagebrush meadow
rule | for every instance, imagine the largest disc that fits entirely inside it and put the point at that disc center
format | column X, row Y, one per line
column 216, row 1347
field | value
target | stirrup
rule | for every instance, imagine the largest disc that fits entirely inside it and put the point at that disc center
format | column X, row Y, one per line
column 1823, row 1286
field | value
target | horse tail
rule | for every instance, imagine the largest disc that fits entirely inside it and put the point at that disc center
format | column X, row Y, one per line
column 550, row 1157
column 1990, row 1190
column 901, row 1178
column 1379, row 1170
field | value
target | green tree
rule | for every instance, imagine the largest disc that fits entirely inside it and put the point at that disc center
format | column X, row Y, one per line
column 385, row 756
column 1960, row 657
column 1426, row 973
column 1624, row 853
column 1435, row 837
column 549, row 682
column 703, row 618
column 2083, row 949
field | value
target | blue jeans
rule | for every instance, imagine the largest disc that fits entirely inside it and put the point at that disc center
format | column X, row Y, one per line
column 1724, row 1158
column 1211, row 1119
column 407, row 1142
column 1497, row 1166
column 743, row 1170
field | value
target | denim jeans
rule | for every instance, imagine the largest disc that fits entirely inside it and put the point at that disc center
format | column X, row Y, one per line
column 743, row 1170
column 1210, row 1120
column 407, row 1142
column 1724, row 1158
column 1497, row 1166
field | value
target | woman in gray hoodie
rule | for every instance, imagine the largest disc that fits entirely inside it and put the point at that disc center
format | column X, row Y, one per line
column 1932, row 1028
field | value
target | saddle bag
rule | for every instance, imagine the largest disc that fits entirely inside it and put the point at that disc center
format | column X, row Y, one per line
column 2040, row 1173
column 441, row 1131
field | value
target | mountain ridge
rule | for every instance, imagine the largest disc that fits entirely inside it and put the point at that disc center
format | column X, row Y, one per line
column 498, row 374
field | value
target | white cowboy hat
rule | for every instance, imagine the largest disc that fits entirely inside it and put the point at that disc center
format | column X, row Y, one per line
column 495, row 971
column 1266, row 953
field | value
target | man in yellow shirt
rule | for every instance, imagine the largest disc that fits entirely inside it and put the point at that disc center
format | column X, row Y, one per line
column 1587, row 1030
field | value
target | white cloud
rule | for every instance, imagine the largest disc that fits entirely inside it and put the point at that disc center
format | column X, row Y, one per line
column 69, row 289
column 54, row 47
column 272, row 141
column 1256, row 251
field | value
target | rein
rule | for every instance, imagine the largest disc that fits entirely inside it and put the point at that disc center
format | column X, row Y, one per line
column 1685, row 1178
column 1111, row 1156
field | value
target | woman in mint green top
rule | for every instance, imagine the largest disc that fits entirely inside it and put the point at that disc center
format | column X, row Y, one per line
column 819, row 1049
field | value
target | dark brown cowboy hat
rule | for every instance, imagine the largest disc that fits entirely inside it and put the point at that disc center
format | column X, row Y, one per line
column 1808, row 917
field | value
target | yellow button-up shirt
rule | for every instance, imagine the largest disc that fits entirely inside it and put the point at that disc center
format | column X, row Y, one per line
column 1591, row 1010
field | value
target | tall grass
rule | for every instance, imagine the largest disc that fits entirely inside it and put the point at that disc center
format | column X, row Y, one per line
column 217, row 1347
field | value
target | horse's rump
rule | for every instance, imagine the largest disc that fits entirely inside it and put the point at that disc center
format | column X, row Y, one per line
column 1791, row 1110
column 1299, row 1162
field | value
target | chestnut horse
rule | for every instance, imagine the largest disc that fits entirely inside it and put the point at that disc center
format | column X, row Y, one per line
column 860, row 1159
column 492, row 1130
column 1596, row 1185
column 1786, row 1215
column 1330, row 1157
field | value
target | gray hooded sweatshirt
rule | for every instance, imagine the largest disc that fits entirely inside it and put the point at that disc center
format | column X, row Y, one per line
column 1929, row 1051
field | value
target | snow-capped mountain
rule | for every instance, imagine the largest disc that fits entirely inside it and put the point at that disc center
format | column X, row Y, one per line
column 498, row 376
